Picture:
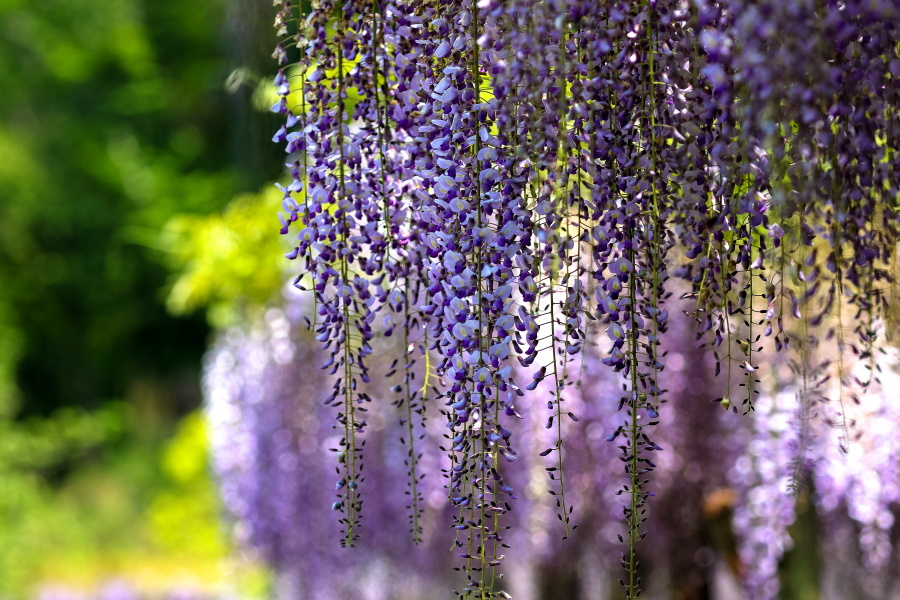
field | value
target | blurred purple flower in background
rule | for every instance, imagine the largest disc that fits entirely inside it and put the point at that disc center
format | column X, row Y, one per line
column 272, row 441
column 119, row 589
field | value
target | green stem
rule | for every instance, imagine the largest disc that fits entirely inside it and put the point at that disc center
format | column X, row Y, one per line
column 349, row 409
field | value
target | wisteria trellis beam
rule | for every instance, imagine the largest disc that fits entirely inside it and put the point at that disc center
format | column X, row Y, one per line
column 501, row 179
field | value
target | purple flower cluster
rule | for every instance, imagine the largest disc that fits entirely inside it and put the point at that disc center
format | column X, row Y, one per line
column 762, row 478
column 273, row 443
column 863, row 482
column 500, row 181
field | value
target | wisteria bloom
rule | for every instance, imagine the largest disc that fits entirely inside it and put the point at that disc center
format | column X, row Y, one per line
column 498, row 187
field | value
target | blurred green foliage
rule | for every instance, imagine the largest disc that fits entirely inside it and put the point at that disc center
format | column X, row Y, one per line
column 227, row 262
column 143, row 511
column 115, row 116
column 32, row 454
column 183, row 516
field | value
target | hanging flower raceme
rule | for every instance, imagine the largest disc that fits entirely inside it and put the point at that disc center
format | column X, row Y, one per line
column 503, row 183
